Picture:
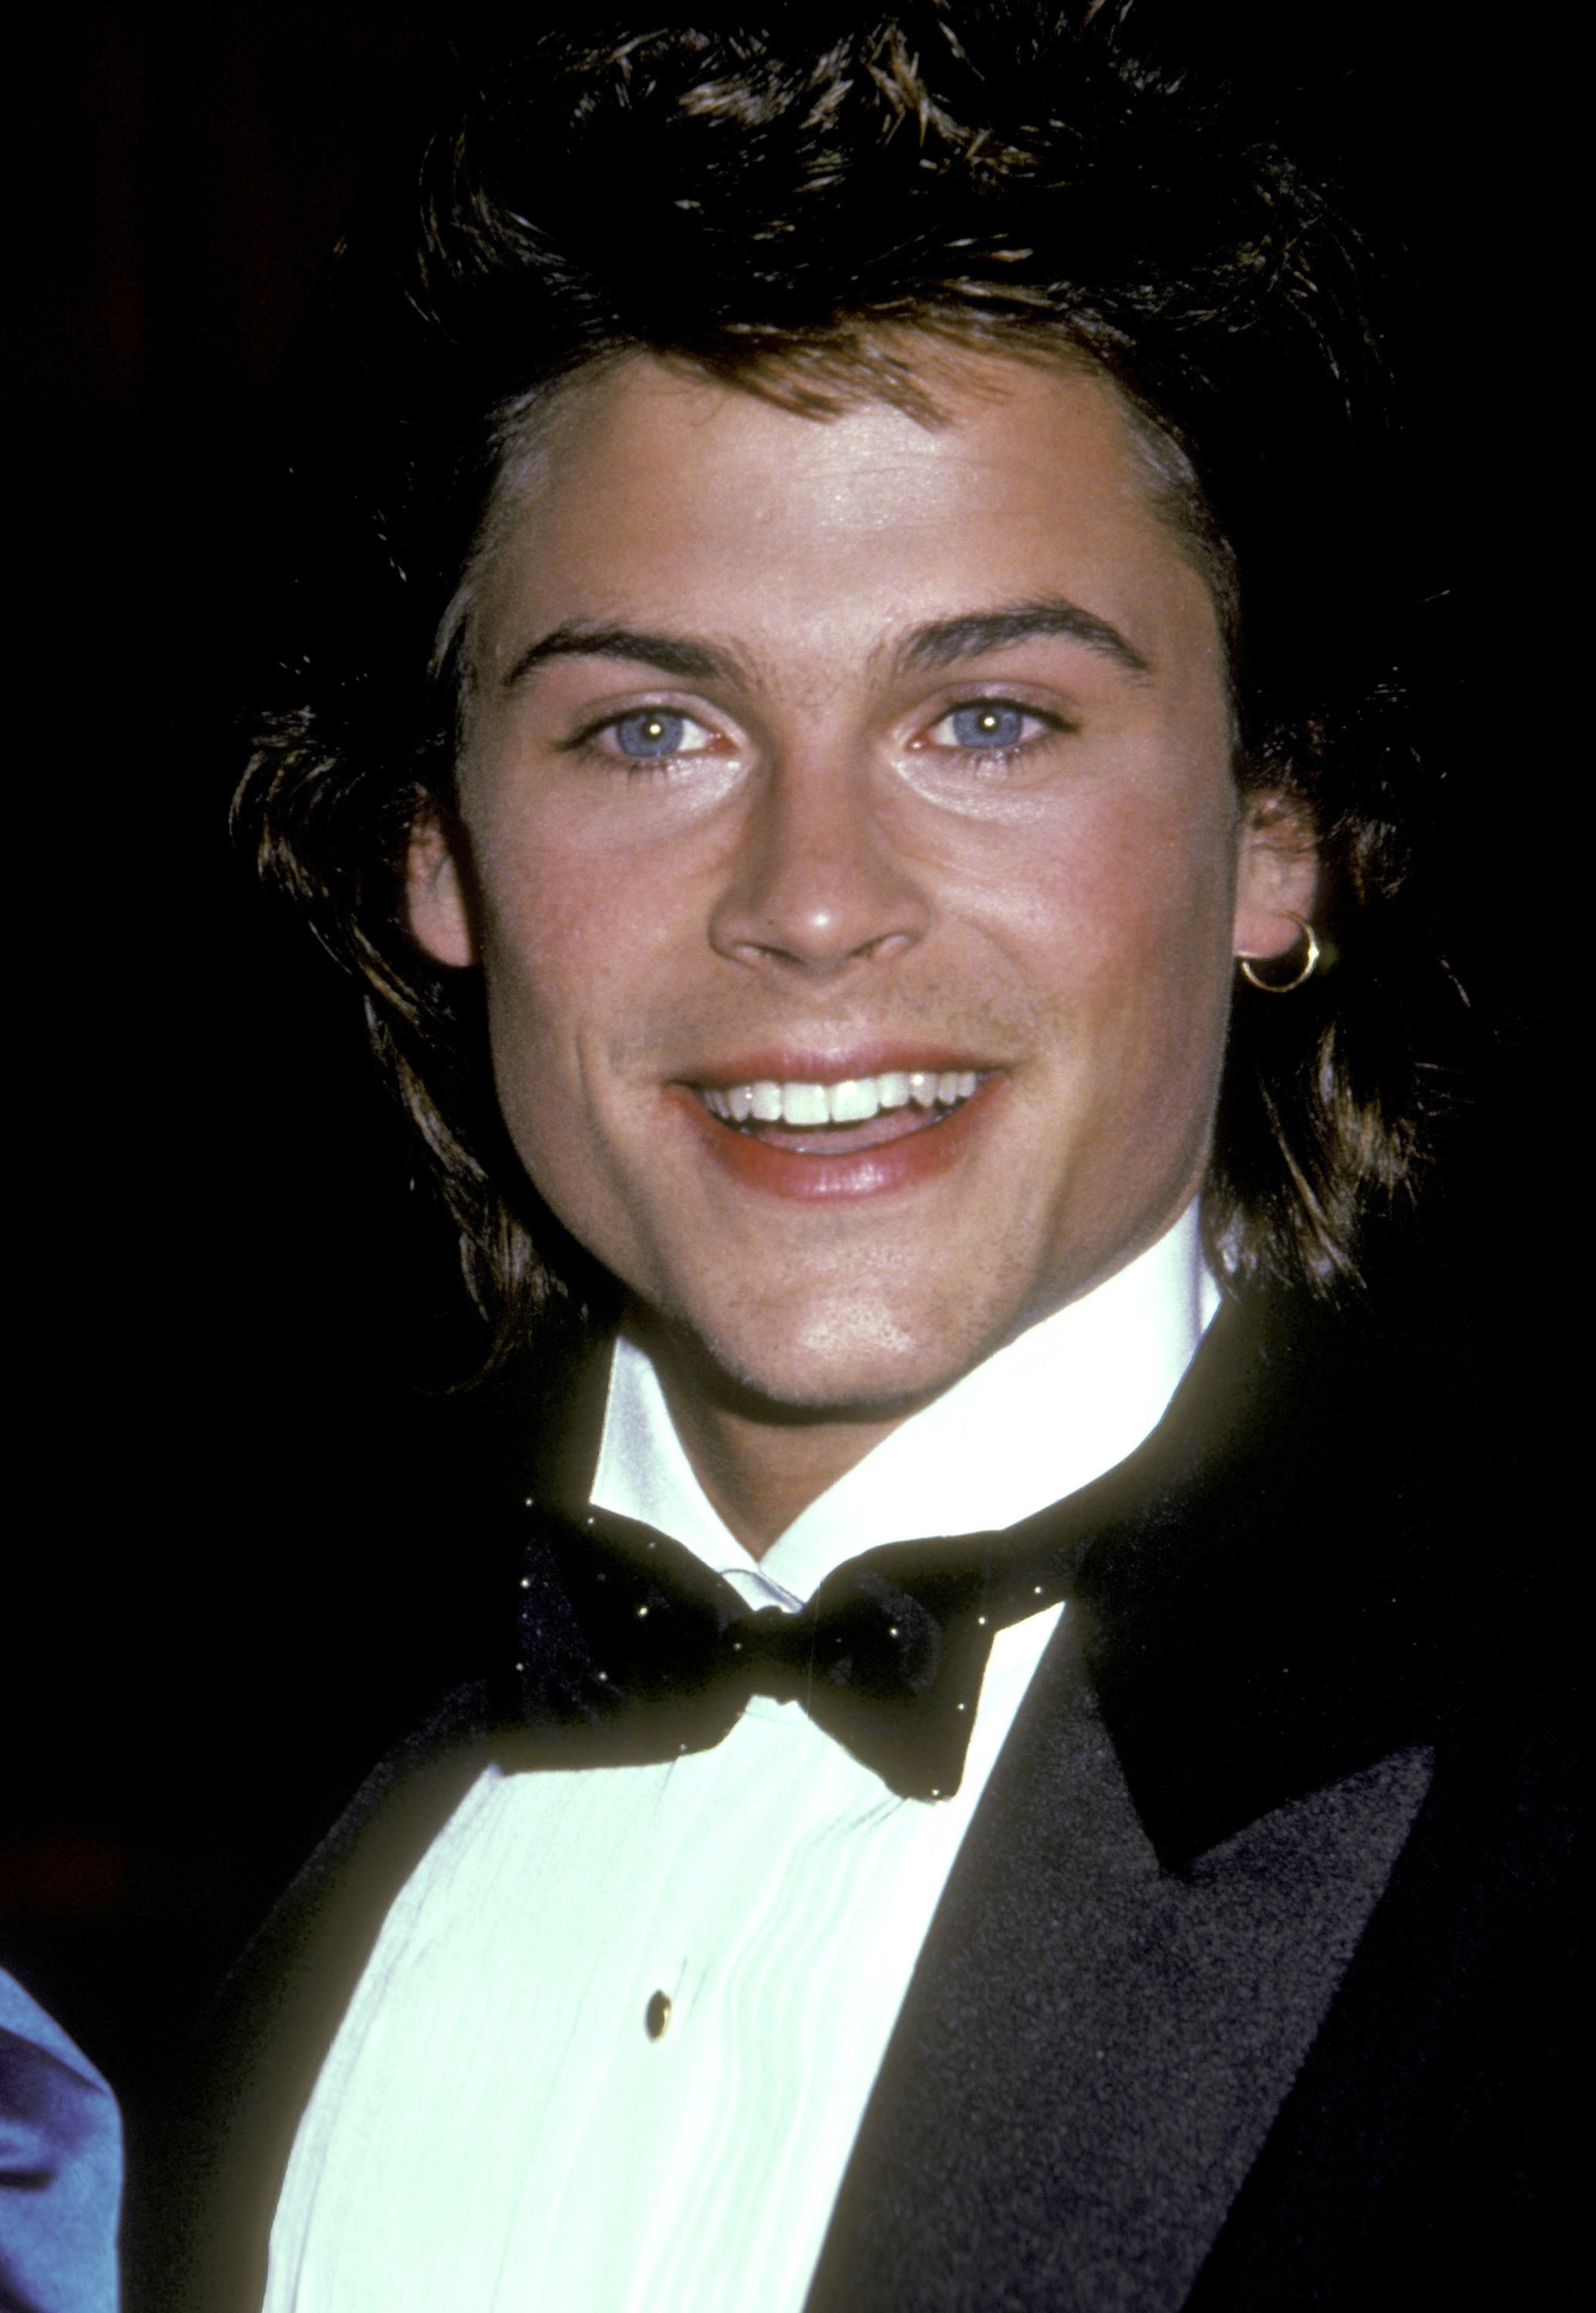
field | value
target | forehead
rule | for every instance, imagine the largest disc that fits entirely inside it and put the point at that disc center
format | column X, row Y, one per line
column 646, row 493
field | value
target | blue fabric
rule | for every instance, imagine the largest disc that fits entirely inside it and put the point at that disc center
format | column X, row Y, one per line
column 60, row 2167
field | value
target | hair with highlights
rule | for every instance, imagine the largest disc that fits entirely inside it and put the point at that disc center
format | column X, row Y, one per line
column 793, row 214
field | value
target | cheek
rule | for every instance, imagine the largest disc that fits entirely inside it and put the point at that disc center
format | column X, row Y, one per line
column 1132, row 912
column 572, row 946
column 542, row 950
column 549, row 912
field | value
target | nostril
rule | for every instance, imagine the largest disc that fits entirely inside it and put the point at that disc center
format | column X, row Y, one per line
column 813, row 955
column 820, row 938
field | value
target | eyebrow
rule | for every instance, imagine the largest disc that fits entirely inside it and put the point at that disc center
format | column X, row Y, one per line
column 942, row 643
column 672, row 654
column 947, row 640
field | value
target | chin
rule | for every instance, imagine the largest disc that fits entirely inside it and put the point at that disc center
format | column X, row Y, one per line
column 847, row 1362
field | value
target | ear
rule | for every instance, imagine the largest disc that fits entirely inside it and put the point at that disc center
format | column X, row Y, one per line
column 434, row 891
column 1277, row 875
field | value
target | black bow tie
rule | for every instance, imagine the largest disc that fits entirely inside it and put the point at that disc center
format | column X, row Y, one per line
column 627, row 1640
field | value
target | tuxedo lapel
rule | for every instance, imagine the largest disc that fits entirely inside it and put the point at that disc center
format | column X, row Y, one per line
column 1268, row 1597
column 1095, row 2045
column 1197, row 1812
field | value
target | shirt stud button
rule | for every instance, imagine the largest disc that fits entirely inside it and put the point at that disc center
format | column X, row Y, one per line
column 657, row 2016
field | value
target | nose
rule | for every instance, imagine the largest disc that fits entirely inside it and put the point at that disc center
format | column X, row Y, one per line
column 816, row 882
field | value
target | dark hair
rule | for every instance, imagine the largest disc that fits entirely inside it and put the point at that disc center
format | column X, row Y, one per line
column 789, row 213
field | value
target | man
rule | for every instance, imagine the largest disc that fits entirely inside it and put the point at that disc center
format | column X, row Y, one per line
column 888, row 910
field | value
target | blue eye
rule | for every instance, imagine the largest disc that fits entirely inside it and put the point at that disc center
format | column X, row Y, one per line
column 989, row 726
column 649, row 733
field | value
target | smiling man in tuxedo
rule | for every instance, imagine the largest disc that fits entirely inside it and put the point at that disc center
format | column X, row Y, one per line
column 978, row 1783
column 847, row 833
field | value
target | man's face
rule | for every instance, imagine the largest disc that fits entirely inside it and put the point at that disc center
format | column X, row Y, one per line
column 861, row 769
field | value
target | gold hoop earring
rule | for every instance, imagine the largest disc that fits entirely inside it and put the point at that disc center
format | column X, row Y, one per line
column 1305, row 970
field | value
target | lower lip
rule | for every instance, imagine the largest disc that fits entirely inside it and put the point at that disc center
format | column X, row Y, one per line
column 919, row 1156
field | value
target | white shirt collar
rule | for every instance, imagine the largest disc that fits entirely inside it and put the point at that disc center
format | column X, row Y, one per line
column 1036, row 1420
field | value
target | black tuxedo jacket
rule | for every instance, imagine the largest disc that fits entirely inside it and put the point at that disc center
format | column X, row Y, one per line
column 1248, row 1988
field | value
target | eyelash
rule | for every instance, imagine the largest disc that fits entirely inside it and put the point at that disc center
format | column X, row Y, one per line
column 1004, row 758
column 585, row 742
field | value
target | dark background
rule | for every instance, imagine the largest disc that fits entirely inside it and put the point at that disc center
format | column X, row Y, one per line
column 233, row 1549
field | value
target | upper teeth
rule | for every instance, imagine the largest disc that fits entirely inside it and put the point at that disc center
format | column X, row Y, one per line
column 854, row 1101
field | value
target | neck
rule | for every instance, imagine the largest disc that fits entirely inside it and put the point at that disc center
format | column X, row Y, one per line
column 762, row 1466
column 689, row 1449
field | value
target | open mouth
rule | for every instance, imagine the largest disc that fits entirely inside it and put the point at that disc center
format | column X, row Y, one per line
column 831, row 1120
